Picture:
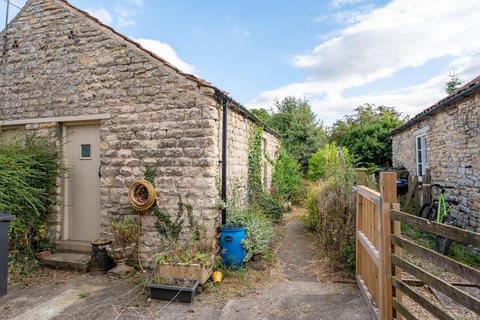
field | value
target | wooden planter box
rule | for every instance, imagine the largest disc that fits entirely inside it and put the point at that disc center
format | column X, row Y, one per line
column 195, row 271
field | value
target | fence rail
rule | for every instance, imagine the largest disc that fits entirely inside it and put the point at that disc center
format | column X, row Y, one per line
column 380, row 262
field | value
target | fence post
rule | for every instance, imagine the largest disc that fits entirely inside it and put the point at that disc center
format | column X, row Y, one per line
column 388, row 192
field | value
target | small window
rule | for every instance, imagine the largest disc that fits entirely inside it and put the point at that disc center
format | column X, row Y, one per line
column 85, row 151
column 421, row 154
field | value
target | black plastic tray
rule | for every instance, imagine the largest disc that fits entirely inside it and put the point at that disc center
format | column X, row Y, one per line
column 173, row 293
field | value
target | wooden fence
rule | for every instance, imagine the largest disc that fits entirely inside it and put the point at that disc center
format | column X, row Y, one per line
column 380, row 263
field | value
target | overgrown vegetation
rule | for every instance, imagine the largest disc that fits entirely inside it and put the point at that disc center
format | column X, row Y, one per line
column 258, row 198
column 29, row 166
column 302, row 133
column 258, row 227
column 287, row 178
column 366, row 133
column 124, row 230
column 326, row 160
column 331, row 206
column 197, row 250
column 255, row 164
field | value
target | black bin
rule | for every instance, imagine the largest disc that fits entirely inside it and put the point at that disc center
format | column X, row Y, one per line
column 5, row 219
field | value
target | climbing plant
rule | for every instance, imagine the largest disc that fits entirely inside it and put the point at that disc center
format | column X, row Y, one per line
column 257, row 197
column 255, row 161
column 169, row 227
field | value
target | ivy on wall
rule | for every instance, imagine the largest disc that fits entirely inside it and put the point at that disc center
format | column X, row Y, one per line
column 165, row 225
column 255, row 164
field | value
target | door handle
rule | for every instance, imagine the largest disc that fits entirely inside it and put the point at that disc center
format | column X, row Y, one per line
column 100, row 171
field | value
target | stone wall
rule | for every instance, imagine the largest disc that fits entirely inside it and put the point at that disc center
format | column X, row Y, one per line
column 61, row 63
column 68, row 65
column 453, row 144
column 239, row 128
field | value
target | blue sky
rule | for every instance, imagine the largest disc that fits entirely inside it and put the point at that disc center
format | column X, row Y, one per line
column 337, row 53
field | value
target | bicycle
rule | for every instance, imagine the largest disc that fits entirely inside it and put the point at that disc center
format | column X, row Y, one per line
column 438, row 211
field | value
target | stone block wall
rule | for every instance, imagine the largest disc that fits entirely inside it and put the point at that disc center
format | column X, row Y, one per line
column 68, row 65
column 453, row 144
column 61, row 63
column 239, row 128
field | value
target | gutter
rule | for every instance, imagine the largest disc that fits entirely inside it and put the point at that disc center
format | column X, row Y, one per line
column 447, row 102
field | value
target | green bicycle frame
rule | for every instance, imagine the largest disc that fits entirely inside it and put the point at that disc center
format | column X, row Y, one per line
column 442, row 211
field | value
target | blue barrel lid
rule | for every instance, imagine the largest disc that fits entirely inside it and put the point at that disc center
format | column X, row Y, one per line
column 6, row 217
column 232, row 228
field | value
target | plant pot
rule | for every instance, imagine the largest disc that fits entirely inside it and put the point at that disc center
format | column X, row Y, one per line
column 195, row 271
column 120, row 256
column 100, row 260
column 173, row 292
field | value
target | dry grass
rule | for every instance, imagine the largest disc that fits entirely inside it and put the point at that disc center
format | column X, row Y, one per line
column 251, row 278
column 453, row 309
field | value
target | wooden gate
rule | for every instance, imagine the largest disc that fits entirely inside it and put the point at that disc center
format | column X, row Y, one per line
column 380, row 261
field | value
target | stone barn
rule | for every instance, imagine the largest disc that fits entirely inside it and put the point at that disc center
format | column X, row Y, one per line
column 446, row 138
column 116, row 108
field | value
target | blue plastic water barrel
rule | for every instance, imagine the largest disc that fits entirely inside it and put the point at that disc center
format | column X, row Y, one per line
column 233, row 252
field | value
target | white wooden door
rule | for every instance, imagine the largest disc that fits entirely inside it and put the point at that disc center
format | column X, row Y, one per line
column 83, row 182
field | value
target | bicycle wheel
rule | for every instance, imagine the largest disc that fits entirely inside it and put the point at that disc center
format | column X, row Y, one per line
column 427, row 212
column 442, row 244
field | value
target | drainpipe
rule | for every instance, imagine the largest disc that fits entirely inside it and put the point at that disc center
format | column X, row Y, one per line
column 224, row 159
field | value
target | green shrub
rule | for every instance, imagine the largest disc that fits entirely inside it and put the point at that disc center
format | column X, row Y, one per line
column 326, row 160
column 258, row 230
column 271, row 207
column 29, row 166
column 286, row 177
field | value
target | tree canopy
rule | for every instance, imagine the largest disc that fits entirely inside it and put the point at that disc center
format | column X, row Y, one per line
column 301, row 132
column 453, row 83
column 261, row 113
column 366, row 133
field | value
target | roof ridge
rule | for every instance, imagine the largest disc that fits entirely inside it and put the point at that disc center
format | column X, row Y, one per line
column 138, row 45
column 458, row 93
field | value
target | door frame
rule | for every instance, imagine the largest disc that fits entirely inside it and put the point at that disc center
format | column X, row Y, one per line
column 65, row 225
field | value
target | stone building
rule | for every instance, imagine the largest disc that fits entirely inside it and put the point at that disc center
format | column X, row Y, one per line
column 446, row 138
column 116, row 108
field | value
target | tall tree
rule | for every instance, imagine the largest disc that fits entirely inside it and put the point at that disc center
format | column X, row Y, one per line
column 453, row 82
column 261, row 113
column 366, row 133
column 301, row 132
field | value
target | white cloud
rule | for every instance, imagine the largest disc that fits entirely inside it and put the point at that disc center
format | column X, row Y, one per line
column 166, row 52
column 404, row 33
column 125, row 17
column 101, row 14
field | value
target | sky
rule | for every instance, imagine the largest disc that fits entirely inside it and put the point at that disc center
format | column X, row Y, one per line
column 338, row 54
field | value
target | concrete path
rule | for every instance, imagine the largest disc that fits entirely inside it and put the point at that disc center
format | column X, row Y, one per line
column 298, row 295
